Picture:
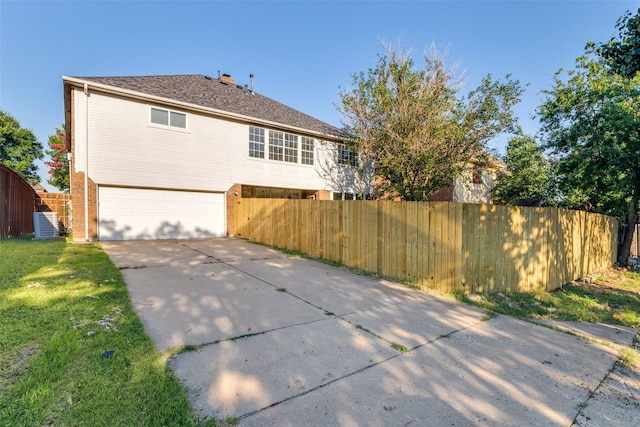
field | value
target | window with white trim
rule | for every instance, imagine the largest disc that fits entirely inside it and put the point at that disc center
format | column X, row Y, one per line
column 306, row 152
column 346, row 156
column 256, row 142
column 290, row 148
column 160, row 116
column 276, row 145
column 282, row 147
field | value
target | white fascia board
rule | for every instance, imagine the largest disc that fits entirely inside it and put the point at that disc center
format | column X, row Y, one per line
column 192, row 107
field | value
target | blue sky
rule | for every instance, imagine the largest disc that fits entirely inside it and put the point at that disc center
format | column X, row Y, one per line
column 302, row 53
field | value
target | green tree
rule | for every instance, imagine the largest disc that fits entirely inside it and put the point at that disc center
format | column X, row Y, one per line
column 415, row 128
column 622, row 54
column 528, row 174
column 59, row 163
column 19, row 148
column 591, row 121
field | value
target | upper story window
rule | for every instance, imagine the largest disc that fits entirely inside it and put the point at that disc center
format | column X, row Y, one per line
column 307, row 150
column 290, row 148
column 256, row 142
column 282, row 147
column 164, row 117
column 476, row 176
column 276, row 145
column 346, row 156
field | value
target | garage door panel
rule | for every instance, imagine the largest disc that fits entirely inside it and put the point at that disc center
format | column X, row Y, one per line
column 139, row 214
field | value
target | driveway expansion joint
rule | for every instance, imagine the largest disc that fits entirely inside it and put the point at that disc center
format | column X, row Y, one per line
column 357, row 371
column 582, row 405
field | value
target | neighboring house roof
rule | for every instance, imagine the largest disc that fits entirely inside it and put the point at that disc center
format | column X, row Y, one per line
column 216, row 93
column 497, row 164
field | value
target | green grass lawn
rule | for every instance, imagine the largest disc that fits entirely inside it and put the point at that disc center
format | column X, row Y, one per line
column 62, row 306
column 612, row 297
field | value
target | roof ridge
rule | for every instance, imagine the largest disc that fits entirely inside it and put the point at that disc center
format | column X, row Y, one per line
column 138, row 76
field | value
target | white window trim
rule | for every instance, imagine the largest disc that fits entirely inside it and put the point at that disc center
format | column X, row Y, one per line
column 291, row 139
column 169, row 126
column 347, row 156
column 263, row 143
column 303, row 151
column 266, row 158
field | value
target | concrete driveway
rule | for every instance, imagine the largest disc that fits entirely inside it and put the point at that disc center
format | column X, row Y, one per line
column 287, row 341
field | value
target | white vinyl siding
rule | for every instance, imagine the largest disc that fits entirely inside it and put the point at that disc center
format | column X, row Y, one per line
column 210, row 155
column 142, row 214
column 79, row 127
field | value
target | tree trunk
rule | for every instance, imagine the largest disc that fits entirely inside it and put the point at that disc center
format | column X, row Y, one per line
column 632, row 220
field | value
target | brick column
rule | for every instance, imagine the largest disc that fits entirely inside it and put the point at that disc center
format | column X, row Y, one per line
column 77, row 207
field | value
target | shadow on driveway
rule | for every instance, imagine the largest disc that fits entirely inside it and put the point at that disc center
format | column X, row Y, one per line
column 289, row 341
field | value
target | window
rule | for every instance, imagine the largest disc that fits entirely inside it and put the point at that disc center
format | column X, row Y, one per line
column 276, row 144
column 476, row 176
column 163, row 117
column 307, row 150
column 159, row 117
column 290, row 148
column 178, row 120
column 283, row 147
column 256, row 142
column 346, row 196
column 346, row 156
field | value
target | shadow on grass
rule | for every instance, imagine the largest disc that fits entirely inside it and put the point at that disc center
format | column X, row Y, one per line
column 62, row 306
column 596, row 302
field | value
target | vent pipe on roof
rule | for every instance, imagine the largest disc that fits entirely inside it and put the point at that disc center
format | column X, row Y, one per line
column 251, row 77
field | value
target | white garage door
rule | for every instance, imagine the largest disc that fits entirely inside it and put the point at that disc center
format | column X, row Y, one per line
column 138, row 214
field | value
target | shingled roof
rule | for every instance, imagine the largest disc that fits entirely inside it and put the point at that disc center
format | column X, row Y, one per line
column 219, row 94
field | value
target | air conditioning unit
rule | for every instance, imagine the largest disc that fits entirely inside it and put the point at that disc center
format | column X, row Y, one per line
column 46, row 225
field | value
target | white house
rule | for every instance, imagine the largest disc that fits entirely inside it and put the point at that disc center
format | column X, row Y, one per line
column 155, row 157
column 476, row 185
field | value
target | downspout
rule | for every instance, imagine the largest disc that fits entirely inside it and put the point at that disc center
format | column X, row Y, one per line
column 86, row 162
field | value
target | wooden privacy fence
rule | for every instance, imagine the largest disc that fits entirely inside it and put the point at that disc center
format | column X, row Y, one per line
column 443, row 245
column 16, row 204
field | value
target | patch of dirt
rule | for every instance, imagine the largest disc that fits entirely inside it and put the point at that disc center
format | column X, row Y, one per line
column 611, row 280
column 14, row 366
